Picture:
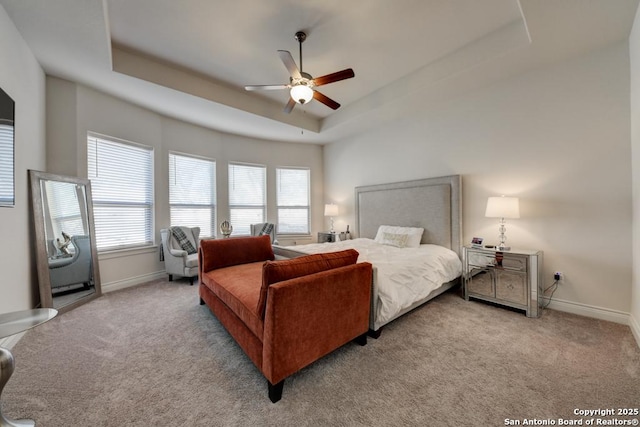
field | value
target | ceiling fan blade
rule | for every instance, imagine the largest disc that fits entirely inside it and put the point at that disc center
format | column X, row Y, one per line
column 289, row 106
column 288, row 61
column 266, row 87
column 334, row 77
column 325, row 100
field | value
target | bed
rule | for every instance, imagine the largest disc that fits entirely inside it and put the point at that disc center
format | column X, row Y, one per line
column 404, row 278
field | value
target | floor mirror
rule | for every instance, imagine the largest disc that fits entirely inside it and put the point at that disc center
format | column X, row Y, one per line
column 66, row 253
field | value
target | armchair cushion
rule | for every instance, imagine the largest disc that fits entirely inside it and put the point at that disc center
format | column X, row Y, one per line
column 281, row 270
column 191, row 261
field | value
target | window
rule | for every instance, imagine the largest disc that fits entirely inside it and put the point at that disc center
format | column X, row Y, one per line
column 247, row 196
column 293, row 200
column 7, row 197
column 121, row 177
column 192, row 193
column 64, row 202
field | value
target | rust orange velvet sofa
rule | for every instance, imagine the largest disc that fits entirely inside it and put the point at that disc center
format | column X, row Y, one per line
column 284, row 314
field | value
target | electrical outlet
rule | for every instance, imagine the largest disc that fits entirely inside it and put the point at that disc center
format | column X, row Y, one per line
column 558, row 275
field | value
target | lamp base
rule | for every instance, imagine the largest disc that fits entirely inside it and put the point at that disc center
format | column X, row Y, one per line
column 503, row 237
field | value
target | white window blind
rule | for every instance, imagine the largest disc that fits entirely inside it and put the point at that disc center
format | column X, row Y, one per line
column 247, row 196
column 6, row 164
column 121, row 177
column 64, row 202
column 192, row 193
column 293, row 200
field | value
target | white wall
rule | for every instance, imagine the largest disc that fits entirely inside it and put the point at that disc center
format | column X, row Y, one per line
column 557, row 137
column 634, row 53
column 23, row 79
column 78, row 110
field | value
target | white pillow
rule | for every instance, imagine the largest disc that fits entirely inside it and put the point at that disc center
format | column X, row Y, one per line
column 397, row 240
column 414, row 235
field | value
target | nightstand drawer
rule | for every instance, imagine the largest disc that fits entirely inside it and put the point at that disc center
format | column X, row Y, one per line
column 480, row 259
column 514, row 263
column 511, row 286
column 497, row 259
column 481, row 282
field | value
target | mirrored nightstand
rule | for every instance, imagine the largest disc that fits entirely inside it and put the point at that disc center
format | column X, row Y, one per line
column 512, row 278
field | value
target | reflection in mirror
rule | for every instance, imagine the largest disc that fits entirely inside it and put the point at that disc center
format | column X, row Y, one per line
column 65, row 233
column 7, row 186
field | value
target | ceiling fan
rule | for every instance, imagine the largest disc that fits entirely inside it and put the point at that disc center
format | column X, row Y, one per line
column 302, row 85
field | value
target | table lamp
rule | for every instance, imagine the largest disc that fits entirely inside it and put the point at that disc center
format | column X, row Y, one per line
column 331, row 210
column 503, row 207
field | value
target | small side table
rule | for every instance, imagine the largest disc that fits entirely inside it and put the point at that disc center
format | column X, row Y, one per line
column 11, row 324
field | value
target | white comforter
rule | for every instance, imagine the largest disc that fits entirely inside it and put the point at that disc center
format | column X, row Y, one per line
column 404, row 275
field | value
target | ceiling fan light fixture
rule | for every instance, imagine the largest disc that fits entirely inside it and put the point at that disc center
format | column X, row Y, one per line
column 301, row 85
column 301, row 93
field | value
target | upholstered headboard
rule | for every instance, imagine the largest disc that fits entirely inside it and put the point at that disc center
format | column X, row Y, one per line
column 434, row 204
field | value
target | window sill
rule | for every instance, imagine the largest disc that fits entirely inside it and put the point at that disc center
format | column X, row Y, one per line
column 121, row 253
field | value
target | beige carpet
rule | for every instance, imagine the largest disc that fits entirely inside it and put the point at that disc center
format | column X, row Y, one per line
column 151, row 356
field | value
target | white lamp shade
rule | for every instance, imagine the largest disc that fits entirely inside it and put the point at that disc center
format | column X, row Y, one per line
column 330, row 210
column 503, row 207
column 301, row 93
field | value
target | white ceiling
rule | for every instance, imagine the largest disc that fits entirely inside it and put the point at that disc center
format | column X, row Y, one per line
column 191, row 59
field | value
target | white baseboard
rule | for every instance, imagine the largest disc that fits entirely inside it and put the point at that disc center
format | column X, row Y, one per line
column 635, row 328
column 132, row 281
column 589, row 311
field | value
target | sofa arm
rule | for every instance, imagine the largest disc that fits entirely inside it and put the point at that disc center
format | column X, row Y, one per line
column 310, row 316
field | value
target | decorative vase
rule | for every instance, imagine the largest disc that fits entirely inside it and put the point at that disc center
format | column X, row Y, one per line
column 226, row 228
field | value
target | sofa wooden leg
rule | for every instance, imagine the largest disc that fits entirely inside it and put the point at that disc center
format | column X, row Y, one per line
column 201, row 301
column 171, row 277
column 275, row 391
column 362, row 339
column 191, row 281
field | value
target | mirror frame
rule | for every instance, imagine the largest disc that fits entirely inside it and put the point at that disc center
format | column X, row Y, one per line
column 42, row 258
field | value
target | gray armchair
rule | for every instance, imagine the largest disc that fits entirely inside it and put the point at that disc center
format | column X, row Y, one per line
column 180, row 249
column 265, row 228
column 74, row 269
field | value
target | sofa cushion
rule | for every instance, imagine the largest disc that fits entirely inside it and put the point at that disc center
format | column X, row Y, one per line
column 238, row 286
column 281, row 270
